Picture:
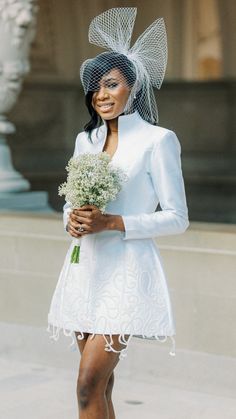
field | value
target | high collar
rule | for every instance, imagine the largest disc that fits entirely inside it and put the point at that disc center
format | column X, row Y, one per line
column 125, row 123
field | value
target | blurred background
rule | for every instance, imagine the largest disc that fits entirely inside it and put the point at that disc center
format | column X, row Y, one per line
column 41, row 113
column 197, row 99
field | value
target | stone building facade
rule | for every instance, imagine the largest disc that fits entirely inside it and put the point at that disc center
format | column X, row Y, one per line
column 197, row 99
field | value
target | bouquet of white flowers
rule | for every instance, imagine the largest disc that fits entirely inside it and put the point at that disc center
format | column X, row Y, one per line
column 91, row 180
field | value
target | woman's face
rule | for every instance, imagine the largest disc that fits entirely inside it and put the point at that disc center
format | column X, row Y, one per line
column 110, row 100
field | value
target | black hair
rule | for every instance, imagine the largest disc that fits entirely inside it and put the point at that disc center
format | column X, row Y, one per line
column 95, row 70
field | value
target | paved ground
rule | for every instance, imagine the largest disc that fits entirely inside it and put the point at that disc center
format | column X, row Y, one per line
column 34, row 391
column 38, row 380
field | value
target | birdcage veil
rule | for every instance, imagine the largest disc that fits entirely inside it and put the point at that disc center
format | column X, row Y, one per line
column 142, row 66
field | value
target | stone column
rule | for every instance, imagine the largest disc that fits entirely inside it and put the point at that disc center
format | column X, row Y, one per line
column 227, row 12
column 17, row 30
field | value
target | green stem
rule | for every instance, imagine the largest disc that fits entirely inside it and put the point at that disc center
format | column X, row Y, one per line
column 72, row 254
column 75, row 255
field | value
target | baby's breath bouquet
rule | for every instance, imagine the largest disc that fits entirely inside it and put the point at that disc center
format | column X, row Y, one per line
column 91, row 180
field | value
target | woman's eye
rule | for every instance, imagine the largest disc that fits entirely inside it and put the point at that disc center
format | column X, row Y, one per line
column 112, row 85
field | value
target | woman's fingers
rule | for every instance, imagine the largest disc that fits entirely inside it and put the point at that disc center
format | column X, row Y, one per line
column 86, row 207
column 87, row 211
column 73, row 231
column 73, row 217
column 76, row 224
column 89, row 218
column 76, row 220
column 84, row 214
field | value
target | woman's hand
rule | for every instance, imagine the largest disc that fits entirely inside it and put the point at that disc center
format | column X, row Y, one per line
column 88, row 217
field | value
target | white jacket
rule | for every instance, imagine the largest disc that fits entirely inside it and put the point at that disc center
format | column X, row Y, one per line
column 151, row 157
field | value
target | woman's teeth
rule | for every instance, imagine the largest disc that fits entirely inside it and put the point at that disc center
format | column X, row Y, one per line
column 106, row 107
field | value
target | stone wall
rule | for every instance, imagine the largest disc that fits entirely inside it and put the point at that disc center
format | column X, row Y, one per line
column 48, row 117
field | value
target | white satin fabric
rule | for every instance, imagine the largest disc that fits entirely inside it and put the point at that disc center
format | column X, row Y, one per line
column 119, row 286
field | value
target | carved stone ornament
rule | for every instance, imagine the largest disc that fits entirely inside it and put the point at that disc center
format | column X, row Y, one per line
column 19, row 17
column 17, row 30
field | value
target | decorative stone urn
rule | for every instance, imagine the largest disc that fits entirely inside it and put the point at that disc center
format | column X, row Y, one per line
column 17, row 30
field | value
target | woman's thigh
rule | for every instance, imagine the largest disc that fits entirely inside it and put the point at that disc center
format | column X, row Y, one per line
column 81, row 342
column 96, row 361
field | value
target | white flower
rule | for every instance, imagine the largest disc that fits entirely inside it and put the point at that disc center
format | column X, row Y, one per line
column 92, row 179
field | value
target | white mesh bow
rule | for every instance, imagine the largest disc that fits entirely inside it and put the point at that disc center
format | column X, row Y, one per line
column 147, row 58
column 113, row 29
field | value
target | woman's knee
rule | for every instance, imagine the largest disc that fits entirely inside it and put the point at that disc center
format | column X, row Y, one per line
column 89, row 383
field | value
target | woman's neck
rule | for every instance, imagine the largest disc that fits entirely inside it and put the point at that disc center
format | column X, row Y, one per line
column 112, row 126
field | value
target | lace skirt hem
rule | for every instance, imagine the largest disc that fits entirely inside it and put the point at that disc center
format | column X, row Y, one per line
column 108, row 339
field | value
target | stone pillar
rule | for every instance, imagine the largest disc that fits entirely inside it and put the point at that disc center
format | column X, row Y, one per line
column 189, row 40
column 17, row 29
column 227, row 13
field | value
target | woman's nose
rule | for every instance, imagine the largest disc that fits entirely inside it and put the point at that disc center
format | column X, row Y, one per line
column 102, row 93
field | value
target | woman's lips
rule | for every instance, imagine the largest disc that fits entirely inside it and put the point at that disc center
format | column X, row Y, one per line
column 105, row 107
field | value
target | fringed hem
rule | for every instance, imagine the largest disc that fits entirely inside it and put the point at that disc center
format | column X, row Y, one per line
column 108, row 341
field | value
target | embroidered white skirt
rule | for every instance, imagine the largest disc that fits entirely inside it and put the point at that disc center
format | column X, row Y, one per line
column 118, row 288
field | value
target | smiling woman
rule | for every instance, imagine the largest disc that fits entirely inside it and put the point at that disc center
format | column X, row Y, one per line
column 112, row 96
column 108, row 80
column 119, row 288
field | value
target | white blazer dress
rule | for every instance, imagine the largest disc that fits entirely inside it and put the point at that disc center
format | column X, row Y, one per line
column 119, row 287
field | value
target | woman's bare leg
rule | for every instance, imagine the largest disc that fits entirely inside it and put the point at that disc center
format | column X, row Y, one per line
column 110, row 384
column 96, row 378
column 108, row 393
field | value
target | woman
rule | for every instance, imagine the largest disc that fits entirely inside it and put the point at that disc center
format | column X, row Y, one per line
column 119, row 288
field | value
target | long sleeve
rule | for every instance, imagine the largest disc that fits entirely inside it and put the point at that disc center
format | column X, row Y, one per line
column 166, row 175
